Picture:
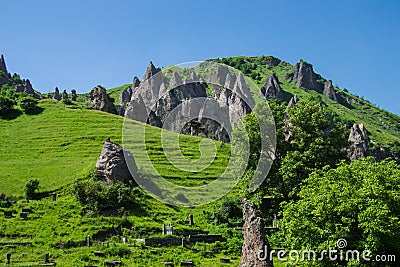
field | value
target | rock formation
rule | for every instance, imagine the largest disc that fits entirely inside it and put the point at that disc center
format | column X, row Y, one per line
column 254, row 240
column 125, row 96
column 271, row 88
column 359, row 142
column 150, row 71
column 292, row 102
column 305, row 77
column 113, row 163
column 73, row 95
column 271, row 61
column 329, row 92
column 56, row 95
column 136, row 82
column 101, row 101
column 64, row 94
column 3, row 66
column 160, row 95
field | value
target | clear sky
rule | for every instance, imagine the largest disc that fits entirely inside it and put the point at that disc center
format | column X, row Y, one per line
column 79, row 44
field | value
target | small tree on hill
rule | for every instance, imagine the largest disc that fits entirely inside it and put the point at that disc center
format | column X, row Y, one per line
column 30, row 188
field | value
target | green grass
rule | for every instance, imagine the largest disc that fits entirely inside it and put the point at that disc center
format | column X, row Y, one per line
column 61, row 145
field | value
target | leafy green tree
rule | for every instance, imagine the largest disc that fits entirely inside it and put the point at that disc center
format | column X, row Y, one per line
column 307, row 138
column 315, row 141
column 31, row 187
column 28, row 104
column 359, row 202
column 6, row 104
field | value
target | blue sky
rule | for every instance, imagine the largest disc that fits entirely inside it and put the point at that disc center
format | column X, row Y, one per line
column 79, row 44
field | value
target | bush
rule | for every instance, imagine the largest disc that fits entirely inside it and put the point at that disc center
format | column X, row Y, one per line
column 6, row 104
column 228, row 212
column 97, row 197
column 30, row 188
column 28, row 104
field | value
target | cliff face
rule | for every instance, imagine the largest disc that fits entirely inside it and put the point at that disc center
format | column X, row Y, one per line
column 165, row 97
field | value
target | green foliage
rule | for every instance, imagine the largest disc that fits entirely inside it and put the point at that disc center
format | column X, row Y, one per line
column 358, row 201
column 315, row 141
column 28, row 104
column 6, row 104
column 5, row 201
column 97, row 197
column 228, row 212
column 31, row 187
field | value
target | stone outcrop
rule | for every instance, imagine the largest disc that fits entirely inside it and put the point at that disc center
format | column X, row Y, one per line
column 125, row 96
column 359, row 142
column 271, row 88
column 329, row 91
column 26, row 87
column 159, row 96
column 73, row 95
column 113, row 163
column 292, row 102
column 150, row 71
column 3, row 66
column 56, row 95
column 64, row 94
column 254, row 240
column 101, row 101
column 304, row 75
column 21, row 86
column 136, row 82
column 271, row 61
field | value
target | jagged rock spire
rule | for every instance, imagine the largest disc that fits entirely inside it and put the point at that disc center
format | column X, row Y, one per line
column 3, row 66
column 150, row 71
column 305, row 77
column 271, row 88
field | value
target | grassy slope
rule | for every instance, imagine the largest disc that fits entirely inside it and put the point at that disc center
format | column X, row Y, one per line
column 62, row 144
column 382, row 125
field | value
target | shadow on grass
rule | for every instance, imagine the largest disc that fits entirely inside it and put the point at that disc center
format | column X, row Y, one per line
column 34, row 111
column 11, row 115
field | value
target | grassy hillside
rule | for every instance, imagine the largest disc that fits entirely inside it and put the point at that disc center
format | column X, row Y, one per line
column 383, row 126
column 62, row 144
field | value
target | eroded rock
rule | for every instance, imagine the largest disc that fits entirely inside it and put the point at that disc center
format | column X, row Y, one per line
column 113, row 162
column 271, row 88
column 101, row 101
column 254, row 239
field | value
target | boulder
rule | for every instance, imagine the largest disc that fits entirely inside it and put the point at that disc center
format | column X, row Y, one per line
column 305, row 77
column 101, row 101
column 113, row 163
column 359, row 142
column 329, row 91
column 73, row 95
column 254, row 240
column 56, row 95
column 271, row 88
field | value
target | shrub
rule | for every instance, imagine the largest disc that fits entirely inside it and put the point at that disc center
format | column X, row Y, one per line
column 28, row 104
column 30, row 188
column 6, row 104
